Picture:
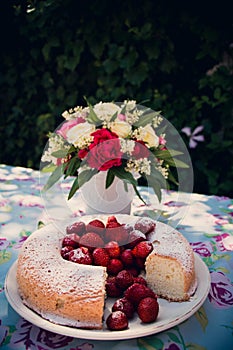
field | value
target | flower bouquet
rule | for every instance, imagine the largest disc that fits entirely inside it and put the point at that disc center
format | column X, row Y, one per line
column 125, row 140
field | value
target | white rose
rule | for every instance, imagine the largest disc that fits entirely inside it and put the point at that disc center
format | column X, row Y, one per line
column 149, row 136
column 121, row 128
column 79, row 131
column 105, row 110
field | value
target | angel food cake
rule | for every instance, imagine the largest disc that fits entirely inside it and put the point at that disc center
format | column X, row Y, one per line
column 66, row 275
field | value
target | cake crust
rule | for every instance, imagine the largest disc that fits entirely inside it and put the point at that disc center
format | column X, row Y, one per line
column 59, row 290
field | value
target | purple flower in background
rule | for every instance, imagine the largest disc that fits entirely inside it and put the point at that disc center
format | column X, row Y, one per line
column 221, row 291
column 203, row 249
column 193, row 137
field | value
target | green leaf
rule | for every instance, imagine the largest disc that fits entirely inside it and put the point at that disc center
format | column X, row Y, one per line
column 124, row 175
column 80, row 180
column 54, row 177
column 138, row 194
column 172, row 179
column 174, row 337
column 177, row 163
column 48, row 168
column 113, row 117
column 166, row 154
column 60, row 154
column 72, row 167
column 92, row 117
column 146, row 119
column 75, row 186
column 109, row 179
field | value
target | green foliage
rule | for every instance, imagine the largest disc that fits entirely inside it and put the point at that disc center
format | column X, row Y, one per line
column 177, row 59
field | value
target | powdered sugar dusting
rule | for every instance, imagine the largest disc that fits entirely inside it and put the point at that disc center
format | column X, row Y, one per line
column 43, row 261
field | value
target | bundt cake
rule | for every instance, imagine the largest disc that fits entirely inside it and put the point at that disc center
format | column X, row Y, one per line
column 74, row 294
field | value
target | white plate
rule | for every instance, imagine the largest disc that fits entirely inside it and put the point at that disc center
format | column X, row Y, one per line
column 170, row 313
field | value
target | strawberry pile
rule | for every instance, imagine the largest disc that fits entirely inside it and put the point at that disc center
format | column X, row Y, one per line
column 122, row 249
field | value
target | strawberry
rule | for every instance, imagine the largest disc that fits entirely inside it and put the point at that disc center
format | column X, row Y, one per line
column 71, row 240
column 96, row 226
column 115, row 231
column 133, row 270
column 135, row 236
column 117, row 321
column 113, row 249
column 145, row 225
column 140, row 263
column 81, row 256
column 148, row 310
column 65, row 251
column 91, row 240
column 111, row 219
column 127, row 257
column 125, row 306
column 111, row 288
column 124, row 279
column 140, row 280
column 142, row 249
column 77, row 227
column 136, row 292
column 100, row 257
column 114, row 266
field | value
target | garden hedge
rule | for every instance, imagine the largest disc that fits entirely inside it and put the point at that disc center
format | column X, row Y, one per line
column 173, row 58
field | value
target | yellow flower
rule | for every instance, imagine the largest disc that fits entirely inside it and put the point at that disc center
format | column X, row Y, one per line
column 121, row 128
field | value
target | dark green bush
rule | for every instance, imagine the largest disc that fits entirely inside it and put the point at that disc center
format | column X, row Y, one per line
column 170, row 58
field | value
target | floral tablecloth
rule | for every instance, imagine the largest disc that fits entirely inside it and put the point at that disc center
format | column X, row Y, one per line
column 207, row 224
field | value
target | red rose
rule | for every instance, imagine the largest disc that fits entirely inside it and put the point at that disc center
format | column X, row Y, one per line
column 140, row 150
column 82, row 153
column 105, row 151
column 102, row 135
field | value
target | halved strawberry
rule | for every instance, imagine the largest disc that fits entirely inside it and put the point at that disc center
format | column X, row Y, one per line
column 91, row 240
column 116, row 232
column 78, row 227
column 96, row 226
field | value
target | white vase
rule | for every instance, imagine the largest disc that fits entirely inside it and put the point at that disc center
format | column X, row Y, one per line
column 97, row 199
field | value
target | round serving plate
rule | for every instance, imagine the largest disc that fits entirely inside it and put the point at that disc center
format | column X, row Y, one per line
column 170, row 313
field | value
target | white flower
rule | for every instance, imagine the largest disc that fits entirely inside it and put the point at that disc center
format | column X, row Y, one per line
column 127, row 146
column 157, row 119
column 79, row 132
column 141, row 166
column 121, row 128
column 105, row 111
column 56, row 143
column 75, row 112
